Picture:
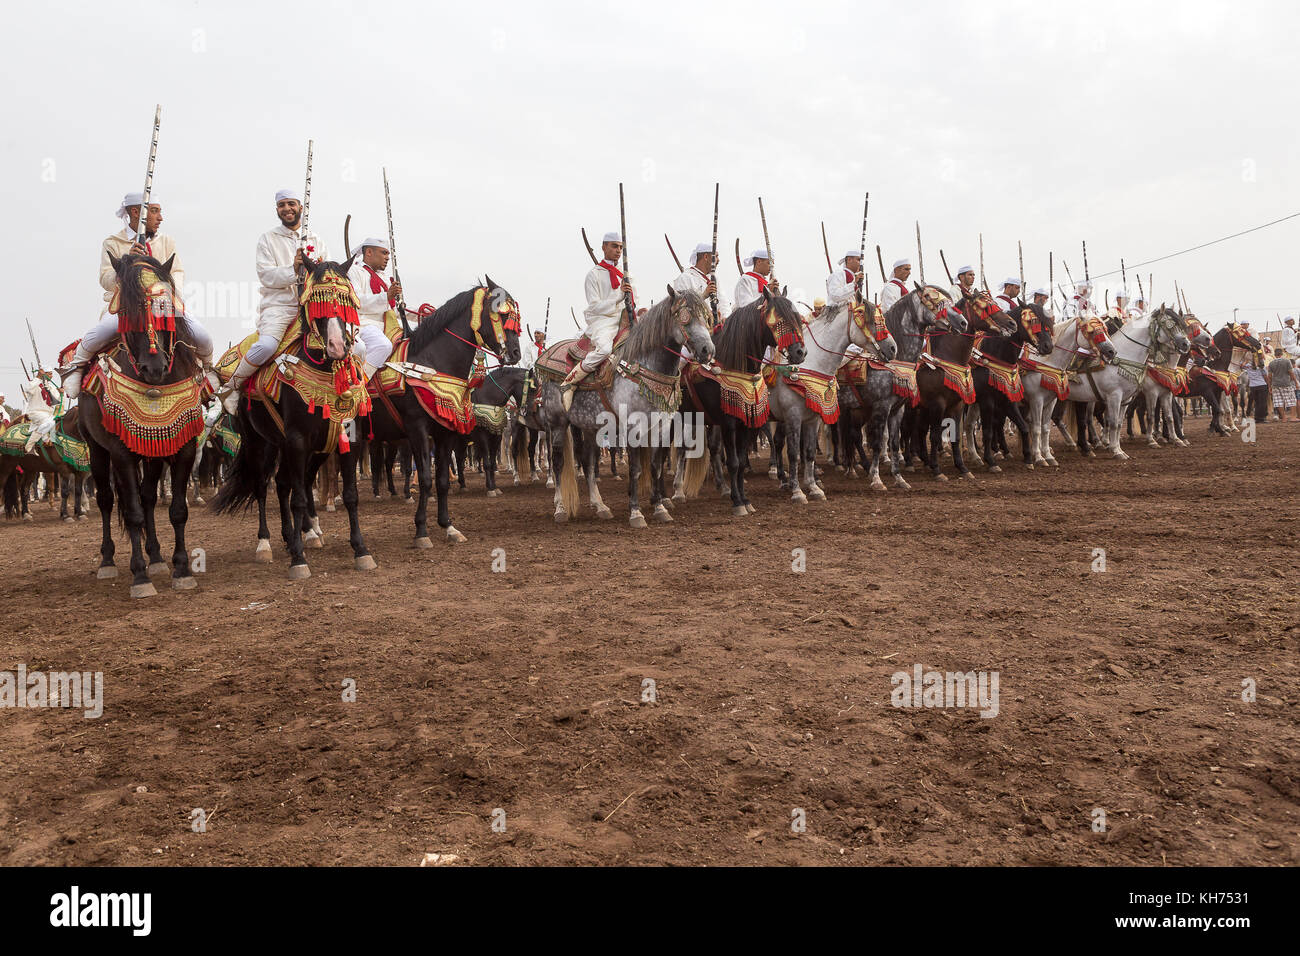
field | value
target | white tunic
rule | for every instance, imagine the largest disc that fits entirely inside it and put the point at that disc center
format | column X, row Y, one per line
column 275, row 252
column 693, row 280
column 604, row 307
column 889, row 296
column 1006, row 303
column 1077, row 306
column 747, row 290
column 37, row 410
column 840, row 288
column 1289, row 344
column 160, row 247
column 371, row 306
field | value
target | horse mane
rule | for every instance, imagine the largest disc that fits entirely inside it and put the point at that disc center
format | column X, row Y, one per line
column 742, row 333
column 656, row 326
column 428, row 330
column 132, row 295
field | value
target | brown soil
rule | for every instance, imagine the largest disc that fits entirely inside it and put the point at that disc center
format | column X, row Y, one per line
column 522, row 691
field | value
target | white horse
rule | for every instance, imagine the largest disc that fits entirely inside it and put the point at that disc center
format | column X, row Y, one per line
column 829, row 335
column 1119, row 380
column 1160, row 400
column 1078, row 337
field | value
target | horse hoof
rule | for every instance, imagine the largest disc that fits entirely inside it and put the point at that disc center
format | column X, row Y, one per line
column 662, row 515
column 967, row 475
column 668, row 503
column 83, row 517
column 941, row 477
column 312, row 540
column 27, row 517
column 454, row 536
column 878, row 485
column 603, row 513
column 186, row 583
column 799, row 498
column 739, row 511
column 106, row 572
column 263, row 553
column 69, row 520
column 364, row 562
column 198, row 500
column 378, row 496
column 561, row 517
column 900, row 483
column 678, row 498
column 143, row 590
column 1121, row 456
column 637, row 520
column 330, row 507
column 157, row 568
column 995, row 469
column 771, row 472
column 550, row 482
column 299, row 572
column 423, row 544
column 817, row 494
column 750, row 508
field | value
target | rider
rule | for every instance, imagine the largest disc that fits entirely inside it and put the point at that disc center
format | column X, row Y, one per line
column 1118, row 314
column 965, row 286
column 375, row 297
column 150, row 243
column 1080, row 306
column 753, row 282
column 896, row 287
column 1041, row 295
column 698, row 277
column 842, row 284
column 1010, row 292
column 40, row 399
column 281, row 252
column 1288, row 340
column 604, row 291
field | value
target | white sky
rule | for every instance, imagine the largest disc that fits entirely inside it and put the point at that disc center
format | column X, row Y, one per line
column 1143, row 128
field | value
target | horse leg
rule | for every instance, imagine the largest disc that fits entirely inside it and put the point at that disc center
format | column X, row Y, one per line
column 182, row 466
column 132, row 512
column 738, row 509
column 444, row 444
column 809, row 449
column 376, row 464
column 347, row 471
column 792, row 436
column 286, row 478
column 266, row 467
column 313, row 537
column 417, row 431
column 958, row 459
column 1114, row 425
column 100, row 467
column 591, row 468
column 151, row 473
column 987, row 416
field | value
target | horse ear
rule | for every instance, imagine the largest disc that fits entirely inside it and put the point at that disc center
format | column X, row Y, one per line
column 117, row 263
column 346, row 267
column 672, row 293
column 916, row 285
column 167, row 266
column 487, row 281
column 785, row 289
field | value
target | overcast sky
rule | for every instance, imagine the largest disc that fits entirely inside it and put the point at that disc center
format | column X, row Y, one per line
column 1143, row 128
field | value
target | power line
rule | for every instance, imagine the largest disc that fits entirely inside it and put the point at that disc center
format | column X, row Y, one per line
column 1171, row 255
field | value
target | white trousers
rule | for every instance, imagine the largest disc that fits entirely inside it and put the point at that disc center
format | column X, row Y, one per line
column 104, row 332
column 42, row 426
column 373, row 345
column 601, row 333
column 271, row 326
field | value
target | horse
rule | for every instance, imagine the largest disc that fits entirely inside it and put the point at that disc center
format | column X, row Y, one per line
column 525, row 433
column 1047, row 380
column 801, row 400
column 874, row 394
column 440, row 370
column 492, row 412
column 944, row 381
column 644, row 391
column 1166, row 378
column 995, row 367
column 1217, row 377
column 734, row 399
column 1119, row 379
column 140, row 409
column 315, row 395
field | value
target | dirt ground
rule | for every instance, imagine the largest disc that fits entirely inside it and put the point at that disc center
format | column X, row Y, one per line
column 522, row 691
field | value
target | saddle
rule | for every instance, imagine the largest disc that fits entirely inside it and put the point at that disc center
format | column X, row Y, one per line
column 558, row 360
column 854, row 371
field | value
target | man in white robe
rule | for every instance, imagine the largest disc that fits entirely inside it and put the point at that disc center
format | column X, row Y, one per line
column 756, row 279
column 604, row 288
column 375, row 298
column 842, row 284
column 896, row 287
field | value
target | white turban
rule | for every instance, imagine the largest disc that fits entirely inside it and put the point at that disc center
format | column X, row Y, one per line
column 759, row 254
column 1041, row 291
column 1011, row 281
column 1122, row 294
column 855, row 253
column 377, row 243
column 1083, row 285
column 134, row 199
column 1288, row 319
column 702, row 249
column 961, row 269
column 613, row 237
column 288, row 193
column 900, row 263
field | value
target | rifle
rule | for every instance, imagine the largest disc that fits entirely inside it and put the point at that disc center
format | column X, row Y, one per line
column 881, row 262
column 739, row 268
column 347, row 246
column 142, row 228
column 302, row 240
column 944, row 260
column 35, row 351
column 594, row 260
column 1086, row 277
column 920, row 258
column 983, row 281
column 713, row 257
column 1123, row 275
column 827, row 249
column 673, row 253
column 1021, row 251
column 392, row 251
column 628, row 304
column 862, row 256
column 771, row 259
column 1051, row 281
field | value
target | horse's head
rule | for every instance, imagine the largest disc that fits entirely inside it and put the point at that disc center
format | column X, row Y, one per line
column 986, row 315
column 868, row 333
column 784, row 330
column 1196, row 334
column 1242, row 339
column 146, row 305
column 937, row 310
column 1033, row 326
column 503, row 324
column 691, row 323
column 329, row 308
column 1094, row 330
column 1167, row 328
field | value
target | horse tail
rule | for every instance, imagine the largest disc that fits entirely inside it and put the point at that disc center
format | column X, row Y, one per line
column 569, row 495
column 644, row 484
column 1069, row 419
column 519, row 441
column 12, row 507
column 697, row 469
column 240, row 488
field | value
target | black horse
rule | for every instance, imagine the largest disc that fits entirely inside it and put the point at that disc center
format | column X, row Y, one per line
column 1209, row 387
column 156, row 366
column 491, row 412
column 483, row 318
column 998, row 363
column 297, row 436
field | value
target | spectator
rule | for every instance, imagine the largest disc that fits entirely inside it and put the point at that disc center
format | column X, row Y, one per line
column 1256, row 381
column 1282, row 379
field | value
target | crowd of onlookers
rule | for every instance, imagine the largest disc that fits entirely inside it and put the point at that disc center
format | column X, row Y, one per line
column 1266, row 375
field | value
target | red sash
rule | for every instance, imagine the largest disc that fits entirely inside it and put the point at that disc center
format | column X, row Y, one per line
column 377, row 284
column 762, row 283
column 901, row 288
column 615, row 275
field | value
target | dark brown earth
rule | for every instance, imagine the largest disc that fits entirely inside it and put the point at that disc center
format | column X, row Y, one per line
column 522, row 691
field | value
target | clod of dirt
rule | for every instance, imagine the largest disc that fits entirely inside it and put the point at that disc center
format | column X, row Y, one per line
column 1117, row 670
column 439, row 859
